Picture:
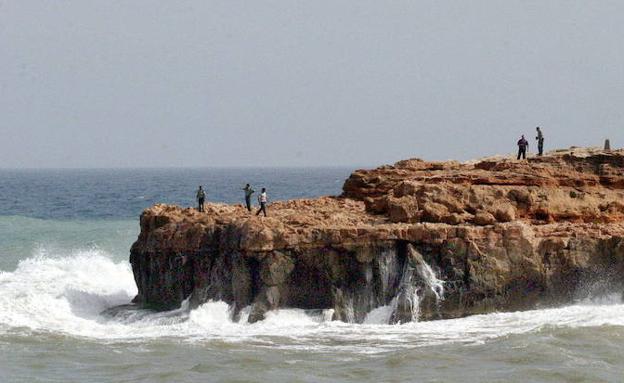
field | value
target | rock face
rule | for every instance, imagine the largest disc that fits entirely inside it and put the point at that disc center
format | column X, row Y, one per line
column 428, row 240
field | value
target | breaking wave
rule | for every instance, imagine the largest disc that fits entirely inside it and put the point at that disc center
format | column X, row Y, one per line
column 66, row 294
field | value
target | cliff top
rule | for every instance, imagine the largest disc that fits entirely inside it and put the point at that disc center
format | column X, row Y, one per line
column 564, row 193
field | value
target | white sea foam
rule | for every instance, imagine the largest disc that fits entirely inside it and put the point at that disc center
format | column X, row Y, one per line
column 66, row 295
column 380, row 315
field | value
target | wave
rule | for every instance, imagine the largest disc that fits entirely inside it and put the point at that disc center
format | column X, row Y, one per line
column 24, row 237
column 67, row 295
column 49, row 292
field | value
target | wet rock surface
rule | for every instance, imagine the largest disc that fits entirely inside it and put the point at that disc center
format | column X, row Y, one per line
column 429, row 240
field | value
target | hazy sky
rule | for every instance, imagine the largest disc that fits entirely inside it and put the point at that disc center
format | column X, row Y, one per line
column 235, row 83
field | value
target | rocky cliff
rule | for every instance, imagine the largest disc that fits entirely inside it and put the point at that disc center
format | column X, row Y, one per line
column 428, row 240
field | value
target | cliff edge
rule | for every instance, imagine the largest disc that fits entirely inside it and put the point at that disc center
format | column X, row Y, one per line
column 427, row 240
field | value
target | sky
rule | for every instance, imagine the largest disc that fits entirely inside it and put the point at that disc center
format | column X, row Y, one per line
column 139, row 83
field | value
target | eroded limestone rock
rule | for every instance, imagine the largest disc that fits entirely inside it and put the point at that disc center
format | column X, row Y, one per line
column 428, row 240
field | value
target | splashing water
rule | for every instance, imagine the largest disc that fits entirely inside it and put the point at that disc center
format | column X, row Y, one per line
column 66, row 295
column 388, row 270
column 431, row 280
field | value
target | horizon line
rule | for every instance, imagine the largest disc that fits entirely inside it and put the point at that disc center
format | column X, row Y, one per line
column 219, row 167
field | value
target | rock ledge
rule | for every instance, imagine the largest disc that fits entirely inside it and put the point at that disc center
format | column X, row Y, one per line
column 429, row 240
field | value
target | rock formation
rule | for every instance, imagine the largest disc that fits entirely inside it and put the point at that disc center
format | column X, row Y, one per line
column 428, row 240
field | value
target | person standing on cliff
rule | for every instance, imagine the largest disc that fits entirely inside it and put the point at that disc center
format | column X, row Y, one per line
column 248, row 192
column 262, row 199
column 523, row 144
column 540, row 142
column 201, row 197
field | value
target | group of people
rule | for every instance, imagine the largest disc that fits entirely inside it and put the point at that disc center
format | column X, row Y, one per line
column 262, row 199
column 523, row 144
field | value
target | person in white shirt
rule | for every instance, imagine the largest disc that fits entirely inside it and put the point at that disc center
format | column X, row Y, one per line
column 262, row 199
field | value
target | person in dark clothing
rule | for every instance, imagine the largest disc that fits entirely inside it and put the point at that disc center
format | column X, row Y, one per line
column 248, row 192
column 523, row 144
column 201, row 197
column 262, row 199
column 540, row 142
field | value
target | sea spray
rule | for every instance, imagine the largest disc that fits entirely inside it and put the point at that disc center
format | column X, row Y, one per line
column 419, row 286
column 435, row 285
column 65, row 295
column 389, row 272
column 406, row 304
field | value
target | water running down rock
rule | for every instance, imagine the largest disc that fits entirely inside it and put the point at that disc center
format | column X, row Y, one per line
column 428, row 240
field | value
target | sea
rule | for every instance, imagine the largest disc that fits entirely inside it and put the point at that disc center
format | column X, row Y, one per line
column 65, row 237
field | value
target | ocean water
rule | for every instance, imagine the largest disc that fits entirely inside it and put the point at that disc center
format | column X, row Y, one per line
column 64, row 242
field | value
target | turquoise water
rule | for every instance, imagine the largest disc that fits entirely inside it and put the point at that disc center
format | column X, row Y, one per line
column 25, row 237
column 64, row 260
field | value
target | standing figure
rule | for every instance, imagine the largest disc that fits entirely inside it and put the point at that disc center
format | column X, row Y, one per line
column 523, row 144
column 262, row 199
column 248, row 192
column 201, row 197
column 540, row 142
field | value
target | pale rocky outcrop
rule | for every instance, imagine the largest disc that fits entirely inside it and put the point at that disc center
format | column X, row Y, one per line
column 430, row 240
